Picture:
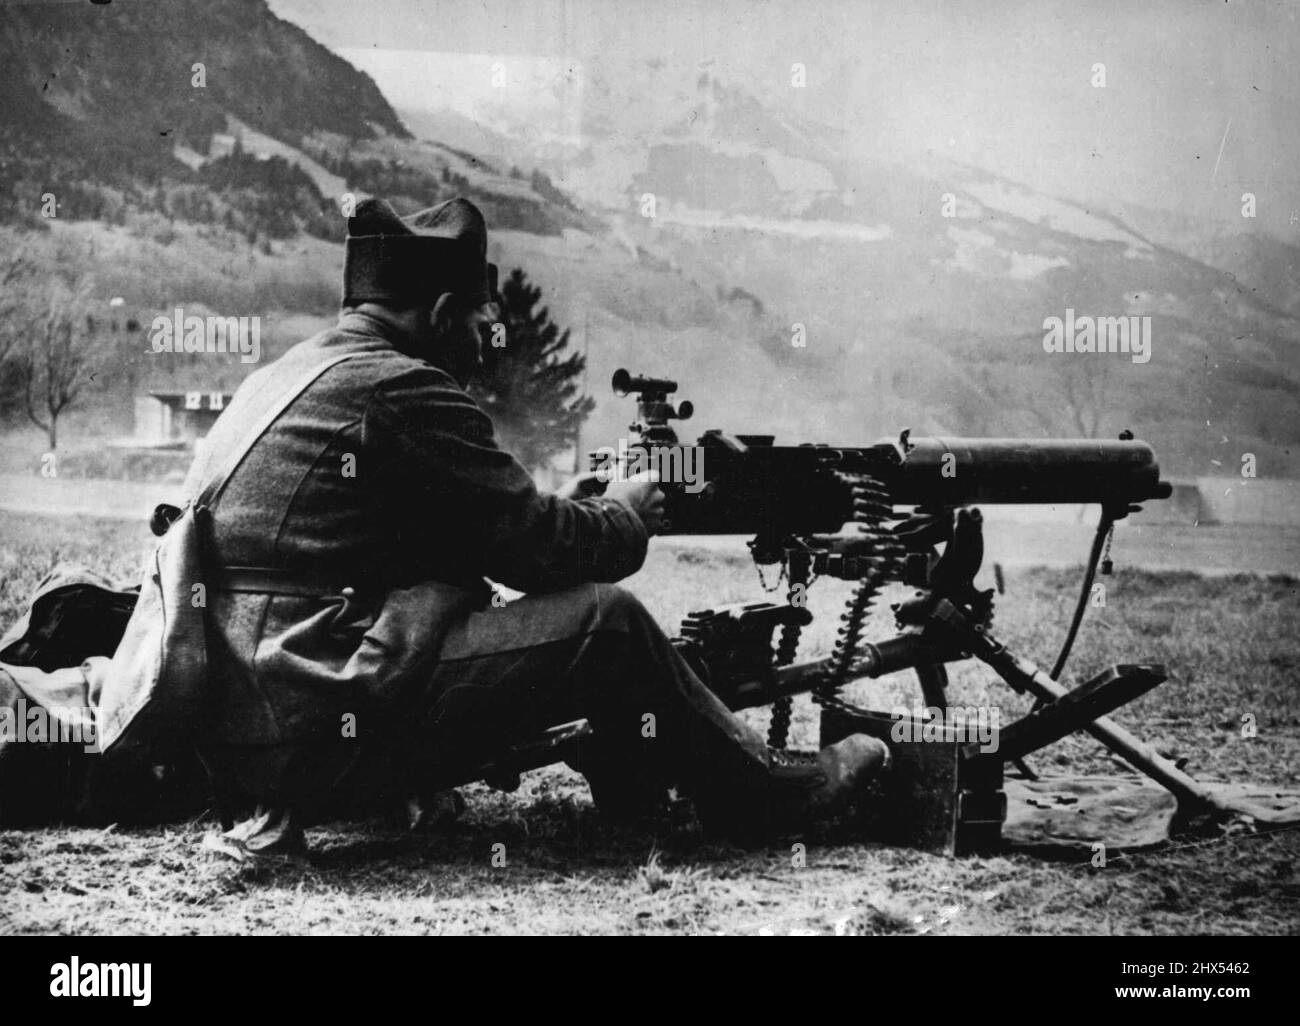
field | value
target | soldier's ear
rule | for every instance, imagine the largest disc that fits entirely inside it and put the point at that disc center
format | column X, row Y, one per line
column 442, row 311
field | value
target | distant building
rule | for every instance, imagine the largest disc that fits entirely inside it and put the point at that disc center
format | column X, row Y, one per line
column 1227, row 500
column 222, row 145
column 176, row 419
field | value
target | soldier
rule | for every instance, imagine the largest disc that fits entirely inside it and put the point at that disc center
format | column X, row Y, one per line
column 353, row 646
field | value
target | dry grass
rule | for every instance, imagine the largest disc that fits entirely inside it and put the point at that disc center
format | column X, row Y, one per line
column 1232, row 645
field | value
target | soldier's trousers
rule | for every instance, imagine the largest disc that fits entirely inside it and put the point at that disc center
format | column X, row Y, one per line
column 505, row 674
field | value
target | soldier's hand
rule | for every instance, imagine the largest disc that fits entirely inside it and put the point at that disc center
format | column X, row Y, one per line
column 643, row 494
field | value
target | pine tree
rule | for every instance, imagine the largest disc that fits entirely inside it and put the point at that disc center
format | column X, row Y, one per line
column 529, row 385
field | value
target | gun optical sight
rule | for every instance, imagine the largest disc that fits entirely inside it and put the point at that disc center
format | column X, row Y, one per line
column 625, row 383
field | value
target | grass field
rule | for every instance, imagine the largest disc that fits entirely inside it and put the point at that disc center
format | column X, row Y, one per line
column 1231, row 643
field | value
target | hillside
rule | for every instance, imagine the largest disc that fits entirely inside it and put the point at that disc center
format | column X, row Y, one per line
column 125, row 71
column 107, row 108
column 128, row 108
column 219, row 189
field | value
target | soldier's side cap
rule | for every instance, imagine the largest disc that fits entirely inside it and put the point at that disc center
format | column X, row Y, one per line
column 411, row 261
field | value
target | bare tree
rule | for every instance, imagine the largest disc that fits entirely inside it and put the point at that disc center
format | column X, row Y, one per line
column 56, row 358
column 14, row 267
column 1079, row 400
column 1067, row 396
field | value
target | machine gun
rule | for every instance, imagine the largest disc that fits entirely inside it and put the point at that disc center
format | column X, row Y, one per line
column 897, row 512
column 752, row 486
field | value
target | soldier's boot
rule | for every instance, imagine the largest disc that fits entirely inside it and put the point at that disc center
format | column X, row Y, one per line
column 796, row 790
column 810, row 786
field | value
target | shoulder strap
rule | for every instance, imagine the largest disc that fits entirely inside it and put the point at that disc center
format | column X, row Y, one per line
column 217, row 483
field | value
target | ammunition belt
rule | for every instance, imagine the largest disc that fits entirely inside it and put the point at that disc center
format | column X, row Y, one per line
column 871, row 509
